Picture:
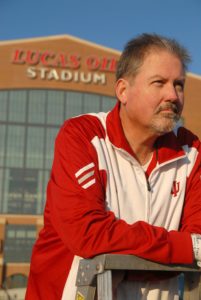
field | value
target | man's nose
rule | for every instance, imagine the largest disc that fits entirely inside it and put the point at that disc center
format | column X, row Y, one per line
column 172, row 93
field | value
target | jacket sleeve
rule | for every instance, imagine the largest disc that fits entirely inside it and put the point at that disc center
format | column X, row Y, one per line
column 81, row 220
column 191, row 219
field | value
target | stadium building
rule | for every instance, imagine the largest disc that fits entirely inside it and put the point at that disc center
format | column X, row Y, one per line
column 44, row 81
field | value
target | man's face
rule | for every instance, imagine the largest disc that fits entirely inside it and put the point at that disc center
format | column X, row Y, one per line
column 154, row 99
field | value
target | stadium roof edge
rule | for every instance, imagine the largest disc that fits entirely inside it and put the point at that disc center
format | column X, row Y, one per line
column 57, row 37
column 196, row 76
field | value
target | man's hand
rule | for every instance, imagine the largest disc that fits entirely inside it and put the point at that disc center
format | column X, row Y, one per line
column 196, row 240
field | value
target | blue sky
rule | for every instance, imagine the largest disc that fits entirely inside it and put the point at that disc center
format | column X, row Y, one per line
column 110, row 23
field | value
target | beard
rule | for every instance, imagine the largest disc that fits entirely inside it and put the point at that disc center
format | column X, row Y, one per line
column 165, row 118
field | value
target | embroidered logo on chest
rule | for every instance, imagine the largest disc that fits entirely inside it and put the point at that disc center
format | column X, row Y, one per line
column 175, row 188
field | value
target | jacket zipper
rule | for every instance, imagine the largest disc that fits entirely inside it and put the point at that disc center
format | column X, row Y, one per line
column 148, row 185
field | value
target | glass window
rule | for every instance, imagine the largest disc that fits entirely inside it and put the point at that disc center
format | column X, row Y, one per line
column 35, row 147
column 21, row 186
column 21, row 233
column 74, row 104
column 18, row 245
column 46, row 179
column 5, row 187
column 24, row 191
column 91, row 103
column 3, row 105
column 55, row 107
column 51, row 135
column 2, row 144
column 15, row 146
column 18, row 281
column 1, row 189
column 41, row 189
column 36, row 109
column 31, row 123
column 31, row 234
column 11, row 234
column 108, row 103
column 17, row 106
column 30, row 201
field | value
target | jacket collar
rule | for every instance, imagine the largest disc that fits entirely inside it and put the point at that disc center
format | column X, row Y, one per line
column 167, row 146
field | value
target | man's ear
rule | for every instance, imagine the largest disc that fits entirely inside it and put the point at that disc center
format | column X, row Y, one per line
column 121, row 90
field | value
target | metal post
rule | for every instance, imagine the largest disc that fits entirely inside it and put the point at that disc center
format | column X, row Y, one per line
column 104, row 285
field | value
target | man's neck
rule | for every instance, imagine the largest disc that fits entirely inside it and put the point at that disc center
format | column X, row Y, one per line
column 142, row 148
column 141, row 141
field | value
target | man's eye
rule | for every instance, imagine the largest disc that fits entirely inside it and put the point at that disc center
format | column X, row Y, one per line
column 179, row 86
column 158, row 82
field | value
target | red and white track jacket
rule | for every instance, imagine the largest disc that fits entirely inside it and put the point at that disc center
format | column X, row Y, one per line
column 99, row 200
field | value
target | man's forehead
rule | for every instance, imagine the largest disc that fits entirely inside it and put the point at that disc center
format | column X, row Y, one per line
column 158, row 55
column 162, row 63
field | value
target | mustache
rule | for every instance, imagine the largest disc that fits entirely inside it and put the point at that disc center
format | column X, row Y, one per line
column 172, row 106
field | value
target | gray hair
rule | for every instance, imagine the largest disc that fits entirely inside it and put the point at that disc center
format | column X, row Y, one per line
column 138, row 48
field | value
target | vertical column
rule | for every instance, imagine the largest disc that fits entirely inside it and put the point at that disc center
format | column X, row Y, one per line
column 104, row 285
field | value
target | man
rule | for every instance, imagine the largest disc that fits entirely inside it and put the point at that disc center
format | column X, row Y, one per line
column 127, row 181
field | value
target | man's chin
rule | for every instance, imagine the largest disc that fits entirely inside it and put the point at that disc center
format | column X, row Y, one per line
column 162, row 129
